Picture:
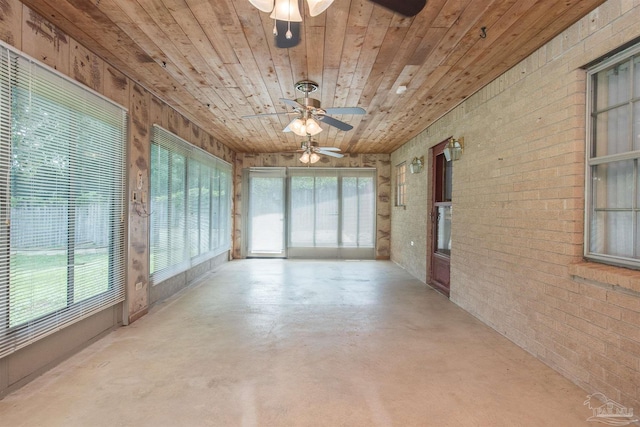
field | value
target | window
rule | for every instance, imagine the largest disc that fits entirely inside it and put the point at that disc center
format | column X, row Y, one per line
column 62, row 152
column 613, row 179
column 332, row 208
column 190, row 205
column 401, row 183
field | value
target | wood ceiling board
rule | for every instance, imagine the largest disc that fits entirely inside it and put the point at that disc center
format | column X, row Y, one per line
column 217, row 75
column 315, row 55
column 222, row 53
column 453, row 92
column 215, row 28
column 337, row 15
column 63, row 14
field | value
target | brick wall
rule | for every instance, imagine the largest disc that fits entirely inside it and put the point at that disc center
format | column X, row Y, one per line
column 518, row 215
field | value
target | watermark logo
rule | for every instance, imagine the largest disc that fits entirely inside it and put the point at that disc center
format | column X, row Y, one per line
column 609, row 411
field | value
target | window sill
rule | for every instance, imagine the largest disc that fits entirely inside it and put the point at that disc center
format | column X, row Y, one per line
column 607, row 274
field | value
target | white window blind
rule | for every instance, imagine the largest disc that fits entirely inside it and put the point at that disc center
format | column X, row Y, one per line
column 331, row 208
column 62, row 201
column 190, row 205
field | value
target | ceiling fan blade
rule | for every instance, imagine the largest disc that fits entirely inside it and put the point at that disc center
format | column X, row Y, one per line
column 345, row 110
column 406, row 8
column 292, row 103
column 253, row 116
column 335, row 122
column 329, row 148
column 331, row 154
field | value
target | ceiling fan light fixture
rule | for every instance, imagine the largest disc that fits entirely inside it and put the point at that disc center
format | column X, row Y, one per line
column 298, row 127
column 286, row 10
column 314, row 157
column 263, row 5
column 305, row 157
column 316, row 7
column 313, row 128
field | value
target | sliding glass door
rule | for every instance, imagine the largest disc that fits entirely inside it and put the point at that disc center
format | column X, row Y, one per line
column 332, row 213
column 266, row 212
column 311, row 213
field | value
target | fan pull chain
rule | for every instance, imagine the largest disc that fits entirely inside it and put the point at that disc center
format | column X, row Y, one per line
column 289, row 34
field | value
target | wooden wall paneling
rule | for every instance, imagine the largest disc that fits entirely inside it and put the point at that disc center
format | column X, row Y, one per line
column 159, row 113
column 44, row 41
column 381, row 162
column 86, row 67
column 116, row 86
column 200, row 138
column 238, row 167
column 11, row 22
column 139, row 155
column 383, row 207
column 179, row 125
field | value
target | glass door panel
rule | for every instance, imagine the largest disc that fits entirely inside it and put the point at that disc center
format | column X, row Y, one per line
column 443, row 235
column 266, row 214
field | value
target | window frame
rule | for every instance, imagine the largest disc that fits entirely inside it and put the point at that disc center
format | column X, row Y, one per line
column 220, row 182
column 401, row 185
column 43, row 91
column 592, row 161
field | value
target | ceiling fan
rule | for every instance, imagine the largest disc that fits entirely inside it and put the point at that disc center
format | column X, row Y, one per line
column 311, row 152
column 287, row 16
column 309, row 114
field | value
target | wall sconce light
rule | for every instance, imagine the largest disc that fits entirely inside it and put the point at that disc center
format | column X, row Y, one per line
column 454, row 149
column 416, row 164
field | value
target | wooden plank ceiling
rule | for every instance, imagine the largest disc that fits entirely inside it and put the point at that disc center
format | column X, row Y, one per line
column 215, row 61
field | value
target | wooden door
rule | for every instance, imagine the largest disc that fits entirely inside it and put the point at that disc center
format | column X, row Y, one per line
column 440, row 252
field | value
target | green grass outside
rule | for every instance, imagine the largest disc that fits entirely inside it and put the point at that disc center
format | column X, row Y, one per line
column 38, row 283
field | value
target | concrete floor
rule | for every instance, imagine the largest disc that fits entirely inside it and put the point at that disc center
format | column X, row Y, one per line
column 298, row 343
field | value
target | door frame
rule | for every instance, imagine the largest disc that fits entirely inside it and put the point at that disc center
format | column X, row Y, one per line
column 440, row 279
column 246, row 213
